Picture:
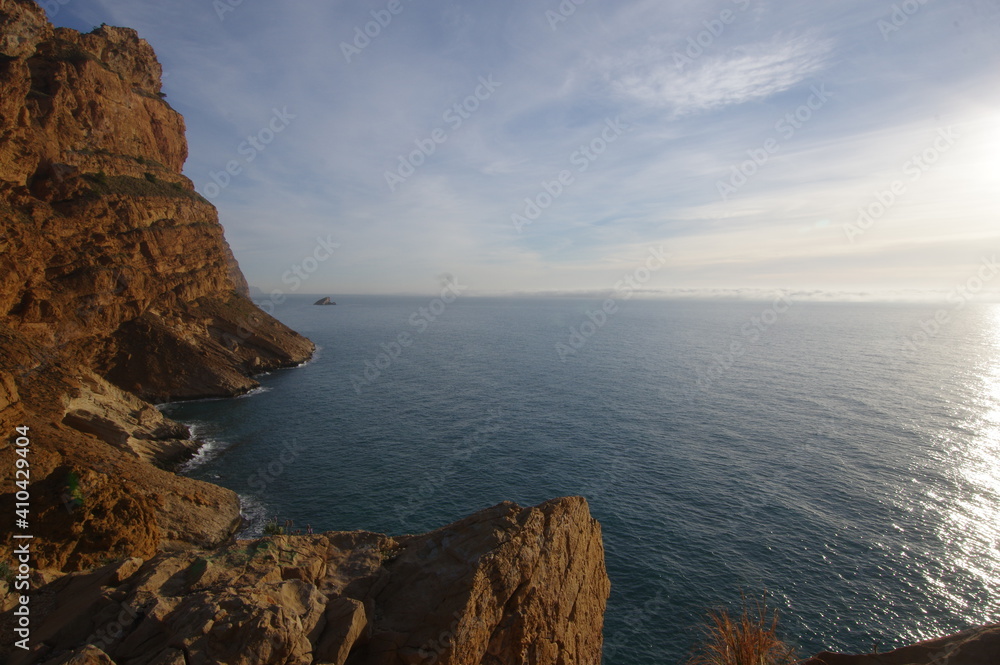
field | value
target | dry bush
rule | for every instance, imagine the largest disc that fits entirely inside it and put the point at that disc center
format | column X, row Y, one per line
column 750, row 639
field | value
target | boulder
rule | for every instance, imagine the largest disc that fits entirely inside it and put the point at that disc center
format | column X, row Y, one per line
column 506, row 585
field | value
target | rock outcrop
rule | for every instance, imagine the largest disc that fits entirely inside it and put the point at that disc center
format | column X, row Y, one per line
column 505, row 586
column 979, row 646
column 117, row 289
column 324, row 302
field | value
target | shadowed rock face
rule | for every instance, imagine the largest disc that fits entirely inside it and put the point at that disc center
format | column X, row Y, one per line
column 979, row 646
column 107, row 250
column 117, row 289
column 507, row 585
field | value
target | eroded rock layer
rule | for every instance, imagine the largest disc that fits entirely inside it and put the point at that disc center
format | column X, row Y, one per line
column 505, row 586
column 117, row 289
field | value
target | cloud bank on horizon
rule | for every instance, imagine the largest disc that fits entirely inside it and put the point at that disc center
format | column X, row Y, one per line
column 547, row 146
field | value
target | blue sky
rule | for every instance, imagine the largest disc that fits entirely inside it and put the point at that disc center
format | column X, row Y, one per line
column 744, row 137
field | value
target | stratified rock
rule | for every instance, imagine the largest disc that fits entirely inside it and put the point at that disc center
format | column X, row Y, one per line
column 117, row 289
column 504, row 587
column 979, row 646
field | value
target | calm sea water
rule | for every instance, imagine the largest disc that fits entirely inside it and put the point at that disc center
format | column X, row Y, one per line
column 797, row 448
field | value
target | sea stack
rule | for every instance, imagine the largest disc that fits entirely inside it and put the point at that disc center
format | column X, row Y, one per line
column 324, row 301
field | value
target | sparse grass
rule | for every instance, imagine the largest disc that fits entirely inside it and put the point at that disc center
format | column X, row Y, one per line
column 69, row 52
column 749, row 639
column 158, row 96
column 75, row 55
column 272, row 528
column 149, row 185
column 388, row 553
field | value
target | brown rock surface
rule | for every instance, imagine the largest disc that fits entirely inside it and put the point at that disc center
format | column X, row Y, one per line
column 979, row 646
column 117, row 288
column 505, row 586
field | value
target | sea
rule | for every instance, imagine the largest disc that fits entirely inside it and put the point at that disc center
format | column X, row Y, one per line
column 841, row 460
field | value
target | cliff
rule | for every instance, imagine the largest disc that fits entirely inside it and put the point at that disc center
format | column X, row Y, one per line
column 117, row 288
column 117, row 291
column 505, row 586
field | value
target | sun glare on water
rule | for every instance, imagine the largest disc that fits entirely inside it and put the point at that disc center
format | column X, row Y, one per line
column 972, row 523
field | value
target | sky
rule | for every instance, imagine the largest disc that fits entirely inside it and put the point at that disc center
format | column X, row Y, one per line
column 553, row 146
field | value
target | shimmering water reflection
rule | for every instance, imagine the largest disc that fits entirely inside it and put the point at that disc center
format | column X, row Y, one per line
column 855, row 481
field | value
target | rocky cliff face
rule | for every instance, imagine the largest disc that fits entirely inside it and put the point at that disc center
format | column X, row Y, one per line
column 117, row 290
column 505, row 586
column 107, row 249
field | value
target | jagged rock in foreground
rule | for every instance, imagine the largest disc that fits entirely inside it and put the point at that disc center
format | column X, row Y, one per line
column 117, row 289
column 505, row 586
column 979, row 646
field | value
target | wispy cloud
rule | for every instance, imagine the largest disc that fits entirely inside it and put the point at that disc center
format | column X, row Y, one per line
column 656, row 77
column 691, row 124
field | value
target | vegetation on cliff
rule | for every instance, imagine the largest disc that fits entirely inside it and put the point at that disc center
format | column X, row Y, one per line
column 118, row 290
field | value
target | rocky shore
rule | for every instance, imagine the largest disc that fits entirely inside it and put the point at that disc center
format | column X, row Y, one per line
column 507, row 585
column 119, row 291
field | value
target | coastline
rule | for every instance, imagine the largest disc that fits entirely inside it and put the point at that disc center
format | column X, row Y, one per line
column 127, row 299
